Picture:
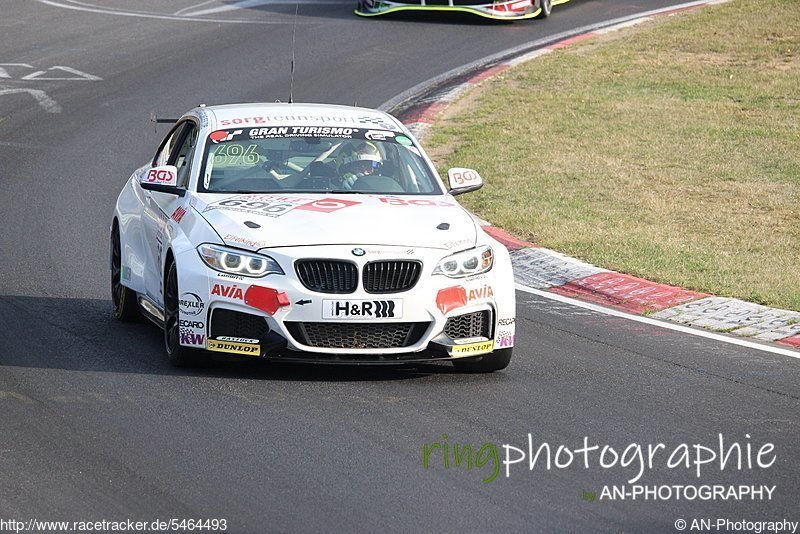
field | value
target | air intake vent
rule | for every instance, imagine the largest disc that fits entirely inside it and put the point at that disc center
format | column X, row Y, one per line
column 357, row 335
column 391, row 276
column 476, row 324
column 237, row 324
column 328, row 276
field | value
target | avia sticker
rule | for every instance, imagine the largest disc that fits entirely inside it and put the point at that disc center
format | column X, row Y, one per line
column 178, row 214
column 479, row 294
column 231, row 292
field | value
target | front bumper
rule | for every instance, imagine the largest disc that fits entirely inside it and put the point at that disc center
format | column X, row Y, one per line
column 439, row 318
column 501, row 10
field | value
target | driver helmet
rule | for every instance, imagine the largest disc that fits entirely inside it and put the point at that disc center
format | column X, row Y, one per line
column 361, row 160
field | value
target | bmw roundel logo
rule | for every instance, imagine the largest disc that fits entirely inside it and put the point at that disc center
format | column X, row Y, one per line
column 359, row 252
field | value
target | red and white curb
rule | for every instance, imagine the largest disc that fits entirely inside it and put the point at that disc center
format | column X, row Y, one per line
column 545, row 270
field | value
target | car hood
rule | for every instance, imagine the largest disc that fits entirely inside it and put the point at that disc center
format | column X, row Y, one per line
column 255, row 221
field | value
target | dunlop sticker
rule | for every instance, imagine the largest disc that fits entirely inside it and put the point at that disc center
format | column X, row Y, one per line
column 233, row 347
column 472, row 349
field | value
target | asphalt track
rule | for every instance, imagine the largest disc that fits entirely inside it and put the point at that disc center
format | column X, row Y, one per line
column 95, row 425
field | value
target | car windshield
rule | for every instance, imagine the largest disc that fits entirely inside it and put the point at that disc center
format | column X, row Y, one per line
column 314, row 159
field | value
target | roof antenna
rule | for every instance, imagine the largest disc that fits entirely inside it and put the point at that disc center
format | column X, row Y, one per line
column 294, row 32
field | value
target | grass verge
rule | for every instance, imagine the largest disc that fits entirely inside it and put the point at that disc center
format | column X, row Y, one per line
column 670, row 150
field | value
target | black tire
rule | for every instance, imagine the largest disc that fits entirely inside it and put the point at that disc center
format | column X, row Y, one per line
column 547, row 8
column 179, row 356
column 495, row 361
column 122, row 298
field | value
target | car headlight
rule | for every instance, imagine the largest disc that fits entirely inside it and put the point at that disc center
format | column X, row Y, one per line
column 467, row 263
column 234, row 261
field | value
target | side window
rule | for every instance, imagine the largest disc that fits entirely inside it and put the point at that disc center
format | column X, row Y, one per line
column 183, row 158
column 162, row 157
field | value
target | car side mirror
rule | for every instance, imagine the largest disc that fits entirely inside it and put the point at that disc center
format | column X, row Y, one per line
column 163, row 179
column 463, row 180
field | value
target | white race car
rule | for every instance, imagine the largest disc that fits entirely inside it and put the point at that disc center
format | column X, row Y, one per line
column 491, row 9
column 308, row 233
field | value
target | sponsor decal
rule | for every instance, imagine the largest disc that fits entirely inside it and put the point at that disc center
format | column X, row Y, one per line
column 192, row 324
column 245, row 241
column 505, row 339
column 472, row 349
column 231, row 292
column 178, row 214
column 191, row 304
column 275, row 131
column 233, row 347
column 506, row 322
column 303, row 131
column 125, row 272
column 378, row 135
column 394, row 201
column 451, row 298
column 161, row 176
column 390, row 252
column 460, row 244
column 236, row 154
column 190, row 338
column 362, row 309
column 237, row 339
column 278, row 205
column 467, row 340
column 220, row 136
column 482, row 293
column 266, row 299
column 231, row 276
column 327, row 205
column 322, row 119
column 403, row 140
column 203, row 114
column 463, row 178
column 378, row 121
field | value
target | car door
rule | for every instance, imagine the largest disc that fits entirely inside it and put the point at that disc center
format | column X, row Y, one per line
column 176, row 149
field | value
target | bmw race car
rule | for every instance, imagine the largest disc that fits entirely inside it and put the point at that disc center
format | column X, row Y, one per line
column 308, row 232
column 497, row 9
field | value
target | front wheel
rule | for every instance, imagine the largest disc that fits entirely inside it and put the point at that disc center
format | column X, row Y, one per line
column 123, row 298
column 495, row 361
column 179, row 356
column 547, row 7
